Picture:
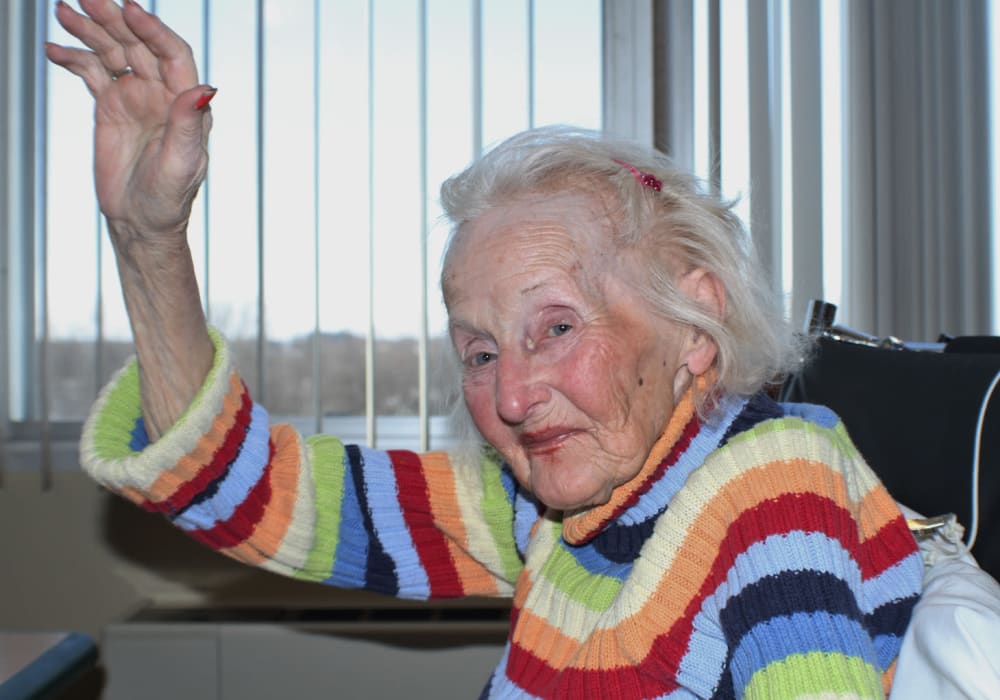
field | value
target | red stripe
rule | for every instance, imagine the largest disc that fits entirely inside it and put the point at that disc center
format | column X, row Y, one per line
column 221, row 460
column 804, row 512
column 247, row 515
column 432, row 547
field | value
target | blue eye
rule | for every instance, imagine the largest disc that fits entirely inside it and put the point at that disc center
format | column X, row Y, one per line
column 560, row 329
column 481, row 358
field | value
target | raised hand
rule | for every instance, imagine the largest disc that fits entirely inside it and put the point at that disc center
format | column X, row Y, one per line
column 151, row 116
column 151, row 127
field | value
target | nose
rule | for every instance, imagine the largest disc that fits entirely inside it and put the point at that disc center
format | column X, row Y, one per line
column 519, row 389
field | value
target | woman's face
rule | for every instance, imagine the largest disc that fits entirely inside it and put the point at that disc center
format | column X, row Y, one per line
column 567, row 371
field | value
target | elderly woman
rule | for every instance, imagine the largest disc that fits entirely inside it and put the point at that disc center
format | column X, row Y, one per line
column 664, row 528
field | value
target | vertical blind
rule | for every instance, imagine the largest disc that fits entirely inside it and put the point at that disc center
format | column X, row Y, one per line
column 317, row 236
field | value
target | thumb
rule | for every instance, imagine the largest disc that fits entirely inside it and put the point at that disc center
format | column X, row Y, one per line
column 188, row 123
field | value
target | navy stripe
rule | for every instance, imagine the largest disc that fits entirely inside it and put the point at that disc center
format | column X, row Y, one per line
column 758, row 409
column 380, row 571
column 724, row 689
column 622, row 543
column 782, row 595
column 891, row 618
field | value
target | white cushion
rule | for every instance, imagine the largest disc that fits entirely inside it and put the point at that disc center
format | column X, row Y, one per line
column 952, row 647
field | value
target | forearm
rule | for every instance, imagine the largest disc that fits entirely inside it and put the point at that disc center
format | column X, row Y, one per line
column 171, row 337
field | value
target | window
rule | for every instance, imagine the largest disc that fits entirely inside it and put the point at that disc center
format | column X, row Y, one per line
column 317, row 237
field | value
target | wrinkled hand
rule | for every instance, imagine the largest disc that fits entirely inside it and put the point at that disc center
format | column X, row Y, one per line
column 151, row 128
column 151, row 125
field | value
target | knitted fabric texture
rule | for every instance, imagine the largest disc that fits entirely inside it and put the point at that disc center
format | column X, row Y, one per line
column 754, row 555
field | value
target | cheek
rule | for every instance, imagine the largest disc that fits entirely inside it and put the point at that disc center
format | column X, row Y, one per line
column 594, row 378
column 481, row 404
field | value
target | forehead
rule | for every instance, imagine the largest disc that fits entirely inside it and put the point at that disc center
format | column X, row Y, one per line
column 566, row 231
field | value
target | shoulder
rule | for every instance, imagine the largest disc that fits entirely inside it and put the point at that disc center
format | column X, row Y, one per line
column 778, row 430
column 780, row 448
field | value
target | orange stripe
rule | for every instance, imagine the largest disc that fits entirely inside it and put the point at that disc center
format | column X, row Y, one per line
column 131, row 494
column 285, row 472
column 662, row 608
column 476, row 578
column 189, row 465
column 888, row 676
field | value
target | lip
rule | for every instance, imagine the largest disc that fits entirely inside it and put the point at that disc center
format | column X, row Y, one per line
column 546, row 441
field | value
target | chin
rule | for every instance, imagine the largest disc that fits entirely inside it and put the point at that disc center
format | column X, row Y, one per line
column 572, row 499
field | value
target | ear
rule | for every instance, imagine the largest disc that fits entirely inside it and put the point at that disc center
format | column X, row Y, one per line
column 708, row 292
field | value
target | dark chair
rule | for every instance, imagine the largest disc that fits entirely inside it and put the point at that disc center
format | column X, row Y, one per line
column 914, row 412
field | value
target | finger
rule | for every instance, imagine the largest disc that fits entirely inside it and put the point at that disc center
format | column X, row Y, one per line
column 108, row 15
column 176, row 61
column 111, row 53
column 82, row 63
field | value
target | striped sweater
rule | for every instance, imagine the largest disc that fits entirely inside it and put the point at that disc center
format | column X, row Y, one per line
column 755, row 555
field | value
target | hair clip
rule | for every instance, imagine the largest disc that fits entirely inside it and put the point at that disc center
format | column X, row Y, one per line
column 645, row 179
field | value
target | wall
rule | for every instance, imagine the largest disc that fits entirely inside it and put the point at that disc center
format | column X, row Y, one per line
column 78, row 558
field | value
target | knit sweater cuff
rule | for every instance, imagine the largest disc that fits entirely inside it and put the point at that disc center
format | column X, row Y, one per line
column 114, row 448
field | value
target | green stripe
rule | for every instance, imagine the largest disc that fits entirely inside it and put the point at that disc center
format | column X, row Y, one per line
column 123, row 407
column 837, row 436
column 116, row 420
column 498, row 512
column 327, row 458
column 593, row 591
column 813, row 674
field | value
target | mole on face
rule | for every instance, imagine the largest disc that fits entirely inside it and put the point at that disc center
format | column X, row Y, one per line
column 641, row 382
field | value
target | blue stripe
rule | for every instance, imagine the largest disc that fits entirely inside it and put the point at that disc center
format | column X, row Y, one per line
column 380, row 572
column 390, row 527
column 887, row 648
column 351, row 557
column 140, row 438
column 526, row 514
column 903, row 577
column 793, row 551
column 508, row 482
column 221, row 498
column 776, row 639
column 811, row 413
column 704, row 660
column 594, row 562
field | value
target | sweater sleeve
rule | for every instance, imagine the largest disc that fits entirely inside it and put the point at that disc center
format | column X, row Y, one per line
column 416, row 526
column 822, row 572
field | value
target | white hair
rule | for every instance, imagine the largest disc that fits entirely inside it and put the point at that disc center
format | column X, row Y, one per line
column 681, row 227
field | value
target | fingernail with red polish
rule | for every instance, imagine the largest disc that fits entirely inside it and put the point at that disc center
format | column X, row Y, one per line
column 205, row 98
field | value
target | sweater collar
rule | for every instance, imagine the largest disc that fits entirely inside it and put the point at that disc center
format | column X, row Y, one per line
column 582, row 526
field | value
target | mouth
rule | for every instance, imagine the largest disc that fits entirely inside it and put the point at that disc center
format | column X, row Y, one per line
column 547, row 441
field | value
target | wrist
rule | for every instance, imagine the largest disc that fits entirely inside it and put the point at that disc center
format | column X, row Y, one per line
column 141, row 249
